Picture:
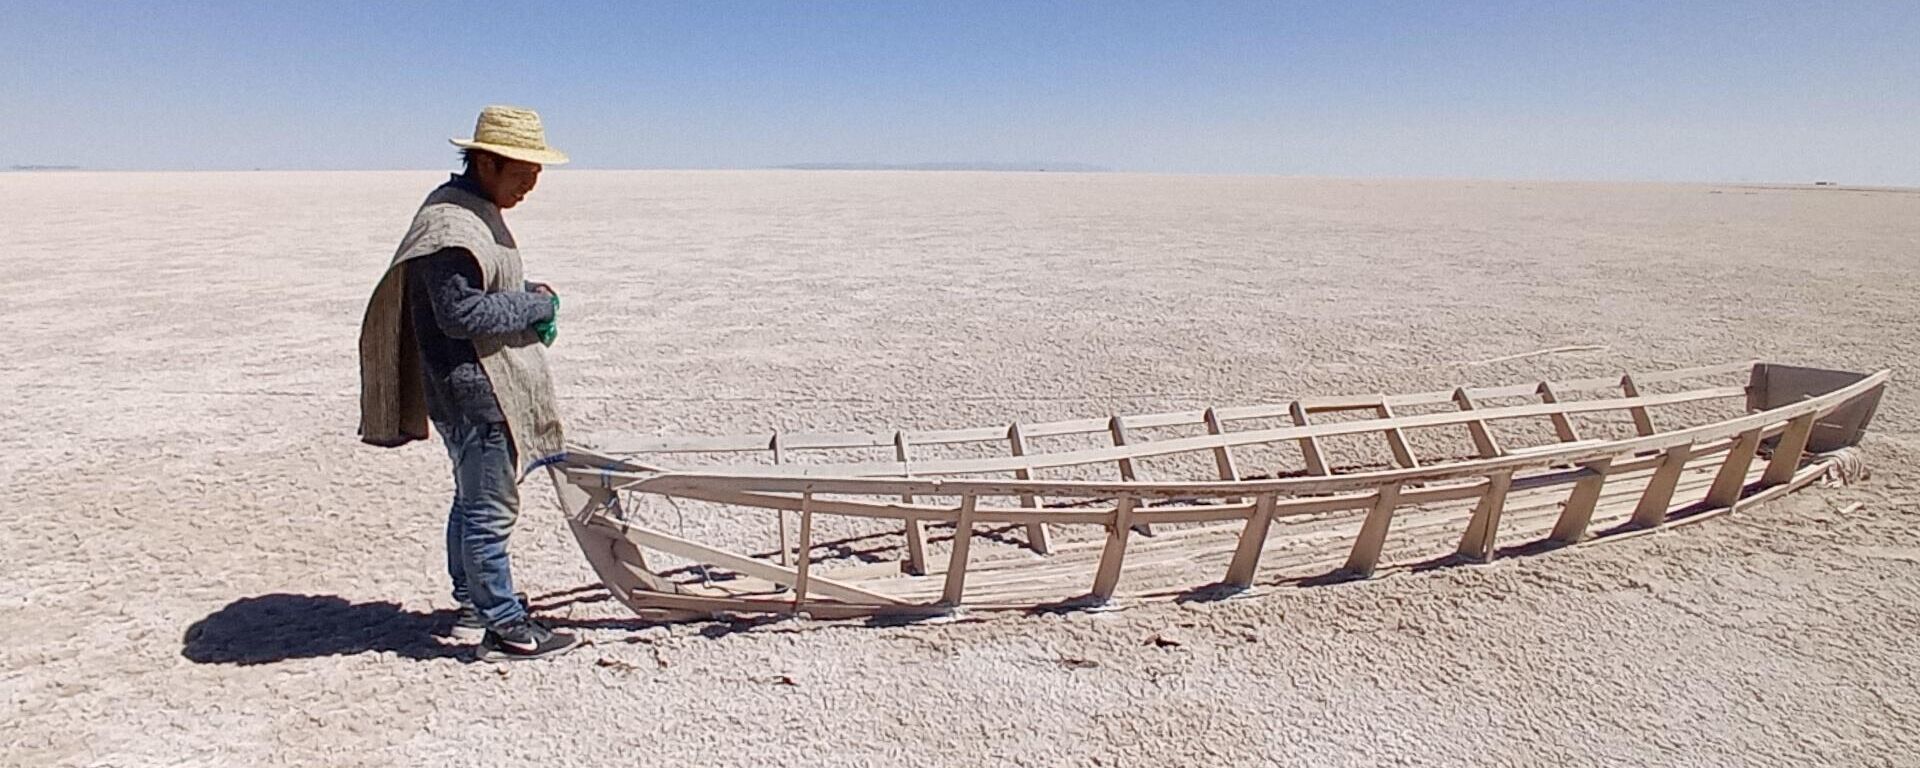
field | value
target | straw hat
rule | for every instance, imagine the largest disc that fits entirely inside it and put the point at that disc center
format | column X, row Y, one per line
column 514, row 133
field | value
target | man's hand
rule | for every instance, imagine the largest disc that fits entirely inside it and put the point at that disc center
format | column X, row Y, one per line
column 540, row 288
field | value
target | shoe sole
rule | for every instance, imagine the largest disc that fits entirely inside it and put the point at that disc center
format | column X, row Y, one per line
column 492, row 656
column 467, row 634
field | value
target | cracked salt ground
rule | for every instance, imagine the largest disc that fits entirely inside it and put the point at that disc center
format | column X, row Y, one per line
column 161, row 476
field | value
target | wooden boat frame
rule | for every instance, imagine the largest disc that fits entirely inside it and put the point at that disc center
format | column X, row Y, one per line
column 1800, row 423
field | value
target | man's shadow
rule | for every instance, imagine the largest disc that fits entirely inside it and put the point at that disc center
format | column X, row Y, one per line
column 277, row 627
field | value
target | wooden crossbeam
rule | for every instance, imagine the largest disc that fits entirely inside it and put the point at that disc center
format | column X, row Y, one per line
column 1658, row 496
column 1396, row 439
column 806, row 550
column 1222, row 455
column 1117, row 426
column 1562, row 426
column 1789, row 451
column 916, row 532
column 1037, row 537
column 1309, row 444
column 778, row 458
column 1253, row 539
column 1373, row 533
column 1578, row 512
column 1733, row 472
column 1482, row 436
column 1642, row 420
column 1115, row 550
column 1484, row 527
column 957, row 562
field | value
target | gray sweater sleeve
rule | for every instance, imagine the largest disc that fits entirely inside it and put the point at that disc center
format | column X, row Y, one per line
column 464, row 310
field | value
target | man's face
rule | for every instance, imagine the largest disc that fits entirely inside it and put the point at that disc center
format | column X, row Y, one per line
column 507, row 181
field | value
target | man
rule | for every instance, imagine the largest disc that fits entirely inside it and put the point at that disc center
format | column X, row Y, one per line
column 454, row 334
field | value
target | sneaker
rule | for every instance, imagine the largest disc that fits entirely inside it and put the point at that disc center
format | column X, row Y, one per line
column 524, row 641
column 469, row 626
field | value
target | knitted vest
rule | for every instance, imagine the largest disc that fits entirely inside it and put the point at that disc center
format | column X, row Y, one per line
column 393, row 406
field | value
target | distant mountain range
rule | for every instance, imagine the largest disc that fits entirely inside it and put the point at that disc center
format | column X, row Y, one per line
column 947, row 166
column 43, row 168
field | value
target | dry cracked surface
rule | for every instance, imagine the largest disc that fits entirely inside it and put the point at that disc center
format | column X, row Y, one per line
column 202, row 566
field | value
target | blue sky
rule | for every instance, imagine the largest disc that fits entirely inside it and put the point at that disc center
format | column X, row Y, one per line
column 1730, row 91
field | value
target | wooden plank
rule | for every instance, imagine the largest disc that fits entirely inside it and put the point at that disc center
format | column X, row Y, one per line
column 1484, row 527
column 830, row 479
column 1733, row 473
column 1222, row 456
column 746, row 566
column 1253, row 539
column 806, row 549
column 1578, row 513
column 1642, row 421
column 1658, row 497
column 1562, row 426
column 1207, row 442
column 1117, row 426
column 916, row 531
column 778, row 458
column 957, row 562
column 1396, row 439
column 1373, row 532
column 1482, row 437
column 1789, row 451
column 1115, row 551
column 1037, row 538
column 1309, row 444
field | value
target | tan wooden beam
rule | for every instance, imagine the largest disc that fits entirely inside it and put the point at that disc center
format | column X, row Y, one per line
column 957, row 562
column 1562, row 426
column 1483, row 528
column 1578, row 512
column 916, row 532
column 1396, row 439
column 1309, row 444
column 1642, row 420
column 1373, row 532
column 1657, row 499
column 1115, row 551
column 1789, row 451
column 1037, row 538
column 1482, row 436
column 1253, row 539
column 1733, row 472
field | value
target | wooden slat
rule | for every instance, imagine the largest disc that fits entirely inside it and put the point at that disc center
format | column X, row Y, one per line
column 1208, row 442
column 831, row 479
column 1658, row 497
column 1222, row 456
column 806, row 549
column 1642, row 421
column 1115, row 550
column 774, row 445
column 1309, row 444
column 1373, row 532
column 1117, row 427
column 1253, row 539
column 957, row 562
column 1788, row 452
column 916, row 531
column 1562, row 426
column 747, row 566
column 1733, row 473
column 1037, row 538
column 1578, row 513
column 1396, row 439
column 1484, row 527
column 1482, row 437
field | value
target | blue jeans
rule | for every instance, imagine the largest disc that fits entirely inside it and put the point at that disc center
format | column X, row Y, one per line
column 486, row 502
